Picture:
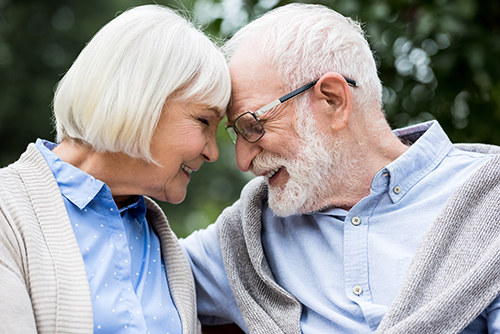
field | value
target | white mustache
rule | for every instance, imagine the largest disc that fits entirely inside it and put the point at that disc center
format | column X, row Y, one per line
column 265, row 162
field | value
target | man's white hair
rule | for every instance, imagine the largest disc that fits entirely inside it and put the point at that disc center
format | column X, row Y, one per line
column 303, row 42
column 114, row 93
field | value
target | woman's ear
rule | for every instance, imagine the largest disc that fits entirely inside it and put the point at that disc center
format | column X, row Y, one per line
column 333, row 93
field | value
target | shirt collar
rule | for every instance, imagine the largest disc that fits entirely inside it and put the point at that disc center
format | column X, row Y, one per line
column 138, row 207
column 77, row 186
column 429, row 146
column 333, row 212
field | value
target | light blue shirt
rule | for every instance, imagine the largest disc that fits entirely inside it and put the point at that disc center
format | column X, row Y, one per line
column 346, row 267
column 121, row 252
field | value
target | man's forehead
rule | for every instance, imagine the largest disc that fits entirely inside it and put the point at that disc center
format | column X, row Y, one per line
column 250, row 97
column 254, row 82
column 248, row 67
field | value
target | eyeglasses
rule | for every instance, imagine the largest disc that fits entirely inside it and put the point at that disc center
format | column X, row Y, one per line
column 248, row 124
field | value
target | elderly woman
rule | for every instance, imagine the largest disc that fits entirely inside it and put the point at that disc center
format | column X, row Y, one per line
column 81, row 249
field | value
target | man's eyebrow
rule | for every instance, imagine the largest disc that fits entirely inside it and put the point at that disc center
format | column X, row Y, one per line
column 231, row 121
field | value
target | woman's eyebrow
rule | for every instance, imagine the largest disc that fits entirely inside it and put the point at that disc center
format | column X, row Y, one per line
column 215, row 111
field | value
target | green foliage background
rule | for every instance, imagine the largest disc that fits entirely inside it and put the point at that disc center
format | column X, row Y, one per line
column 437, row 59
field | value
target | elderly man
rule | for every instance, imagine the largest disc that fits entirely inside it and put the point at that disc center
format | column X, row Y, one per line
column 322, row 240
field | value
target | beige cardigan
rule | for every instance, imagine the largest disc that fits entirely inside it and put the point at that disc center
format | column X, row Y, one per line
column 43, row 284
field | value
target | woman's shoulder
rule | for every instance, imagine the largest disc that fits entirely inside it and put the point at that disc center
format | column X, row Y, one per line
column 29, row 172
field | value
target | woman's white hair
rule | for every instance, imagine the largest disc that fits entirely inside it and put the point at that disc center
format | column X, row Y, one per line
column 114, row 93
column 303, row 42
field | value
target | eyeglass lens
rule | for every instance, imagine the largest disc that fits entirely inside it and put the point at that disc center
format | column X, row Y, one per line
column 249, row 127
column 232, row 133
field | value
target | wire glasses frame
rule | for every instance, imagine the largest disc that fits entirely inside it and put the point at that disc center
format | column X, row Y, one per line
column 248, row 124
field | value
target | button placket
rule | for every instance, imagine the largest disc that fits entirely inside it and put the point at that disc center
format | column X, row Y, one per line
column 355, row 250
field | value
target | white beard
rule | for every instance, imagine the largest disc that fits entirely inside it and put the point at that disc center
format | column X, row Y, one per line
column 319, row 170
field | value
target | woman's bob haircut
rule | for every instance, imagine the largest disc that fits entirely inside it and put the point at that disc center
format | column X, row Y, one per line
column 114, row 93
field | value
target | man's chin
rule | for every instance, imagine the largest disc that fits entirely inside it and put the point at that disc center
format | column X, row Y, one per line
column 284, row 206
column 279, row 211
column 281, row 214
column 287, row 202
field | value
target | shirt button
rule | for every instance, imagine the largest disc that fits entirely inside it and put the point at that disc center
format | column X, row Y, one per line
column 357, row 290
column 356, row 221
column 397, row 189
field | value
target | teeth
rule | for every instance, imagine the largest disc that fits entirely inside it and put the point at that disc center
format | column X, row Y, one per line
column 187, row 169
column 272, row 173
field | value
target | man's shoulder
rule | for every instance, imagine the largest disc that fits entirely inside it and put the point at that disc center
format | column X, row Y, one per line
column 478, row 148
column 247, row 210
column 255, row 188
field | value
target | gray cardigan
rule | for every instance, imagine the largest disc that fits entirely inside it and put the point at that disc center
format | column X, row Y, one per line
column 43, row 282
column 454, row 275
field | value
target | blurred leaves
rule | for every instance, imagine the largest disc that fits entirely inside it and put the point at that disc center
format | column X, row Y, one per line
column 437, row 60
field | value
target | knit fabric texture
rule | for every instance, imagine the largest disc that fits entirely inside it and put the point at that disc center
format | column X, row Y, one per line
column 265, row 306
column 44, row 284
column 452, row 279
column 455, row 273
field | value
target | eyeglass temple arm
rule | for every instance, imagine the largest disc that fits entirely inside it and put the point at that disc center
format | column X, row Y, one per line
column 309, row 85
column 295, row 93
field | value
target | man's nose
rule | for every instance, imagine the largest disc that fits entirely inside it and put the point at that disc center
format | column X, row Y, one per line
column 245, row 153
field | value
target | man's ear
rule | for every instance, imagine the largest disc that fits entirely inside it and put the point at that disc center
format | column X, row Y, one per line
column 333, row 93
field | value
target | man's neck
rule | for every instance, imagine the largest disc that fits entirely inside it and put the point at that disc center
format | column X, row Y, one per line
column 369, row 155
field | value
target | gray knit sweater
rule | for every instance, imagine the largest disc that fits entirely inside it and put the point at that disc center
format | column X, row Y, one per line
column 454, row 275
column 43, row 283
